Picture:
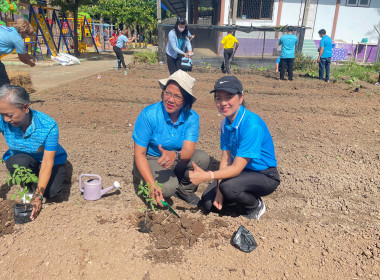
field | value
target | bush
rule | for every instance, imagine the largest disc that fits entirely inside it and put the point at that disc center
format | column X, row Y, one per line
column 146, row 56
column 354, row 70
column 305, row 63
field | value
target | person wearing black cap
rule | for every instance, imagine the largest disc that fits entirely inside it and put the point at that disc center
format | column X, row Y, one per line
column 248, row 168
column 288, row 45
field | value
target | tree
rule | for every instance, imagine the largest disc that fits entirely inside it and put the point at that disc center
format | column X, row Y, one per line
column 73, row 6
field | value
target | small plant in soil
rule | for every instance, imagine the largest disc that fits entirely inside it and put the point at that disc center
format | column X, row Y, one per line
column 150, row 202
column 22, row 176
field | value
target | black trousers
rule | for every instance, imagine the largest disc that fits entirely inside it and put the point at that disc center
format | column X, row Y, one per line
column 227, row 53
column 4, row 79
column 244, row 189
column 174, row 64
column 55, row 185
column 286, row 64
column 120, row 56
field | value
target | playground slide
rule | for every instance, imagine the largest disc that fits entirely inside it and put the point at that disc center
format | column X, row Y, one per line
column 48, row 39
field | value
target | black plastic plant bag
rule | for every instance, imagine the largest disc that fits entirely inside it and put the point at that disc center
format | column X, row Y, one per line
column 22, row 213
column 244, row 240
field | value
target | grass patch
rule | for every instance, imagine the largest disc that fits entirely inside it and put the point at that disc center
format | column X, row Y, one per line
column 146, row 57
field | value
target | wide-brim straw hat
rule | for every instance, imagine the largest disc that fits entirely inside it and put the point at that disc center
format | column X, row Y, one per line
column 184, row 80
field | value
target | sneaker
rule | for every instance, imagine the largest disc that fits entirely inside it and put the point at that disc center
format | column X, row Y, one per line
column 257, row 212
column 377, row 84
column 191, row 199
column 327, row 81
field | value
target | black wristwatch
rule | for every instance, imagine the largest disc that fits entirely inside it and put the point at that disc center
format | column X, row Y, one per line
column 178, row 156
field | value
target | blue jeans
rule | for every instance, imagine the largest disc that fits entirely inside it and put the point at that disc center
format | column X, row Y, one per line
column 324, row 63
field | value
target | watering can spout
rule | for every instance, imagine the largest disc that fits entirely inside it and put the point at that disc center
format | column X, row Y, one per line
column 116, row 184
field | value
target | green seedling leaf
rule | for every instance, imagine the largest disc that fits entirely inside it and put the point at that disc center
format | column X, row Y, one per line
column 13, row 197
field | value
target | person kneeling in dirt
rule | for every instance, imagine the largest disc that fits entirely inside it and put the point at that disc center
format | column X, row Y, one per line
column 32, row 138
column 165, row 136
column 248, row 168
column 12, row 38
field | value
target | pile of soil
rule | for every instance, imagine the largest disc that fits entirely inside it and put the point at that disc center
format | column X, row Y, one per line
column 171, row 235
column 21, row 78
column 6, row 217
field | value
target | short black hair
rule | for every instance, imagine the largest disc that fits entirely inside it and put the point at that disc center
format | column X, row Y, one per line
column 188, row 100
column 290, row 28
column 322, row 32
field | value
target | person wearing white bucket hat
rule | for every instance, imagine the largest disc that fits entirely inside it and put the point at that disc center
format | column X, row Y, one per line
column 165, row 136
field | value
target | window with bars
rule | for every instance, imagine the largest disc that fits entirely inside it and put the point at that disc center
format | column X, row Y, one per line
column 358, row 3
column 255, row 9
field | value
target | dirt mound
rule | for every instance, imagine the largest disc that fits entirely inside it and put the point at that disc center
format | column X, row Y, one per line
column 6, row 217
column 171, row 235
column 22, row 79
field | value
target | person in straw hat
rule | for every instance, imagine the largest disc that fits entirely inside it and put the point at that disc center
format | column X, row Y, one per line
column 165, row 136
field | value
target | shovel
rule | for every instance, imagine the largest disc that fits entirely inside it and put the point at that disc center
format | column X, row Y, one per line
column 170, row 208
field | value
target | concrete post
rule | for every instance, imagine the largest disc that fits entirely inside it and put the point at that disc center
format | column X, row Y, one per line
column 234, row 12
column 159, row 11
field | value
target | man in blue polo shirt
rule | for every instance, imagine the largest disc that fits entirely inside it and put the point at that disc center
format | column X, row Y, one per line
column 325, row 54
column 288, row 46
column 12, row 38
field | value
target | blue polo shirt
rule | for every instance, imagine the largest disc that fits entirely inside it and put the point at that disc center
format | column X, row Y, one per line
column 248, row 137
column 121, row 41
column 10, row 40
column 42, row 134
column 154, row 127
column 326, row 43
column 288, row 43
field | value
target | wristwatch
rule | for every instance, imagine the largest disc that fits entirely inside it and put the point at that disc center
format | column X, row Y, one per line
column 178, row 156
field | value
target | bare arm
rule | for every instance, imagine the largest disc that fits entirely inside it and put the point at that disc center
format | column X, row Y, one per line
column 143, row 167
column 43, row 179
column 236, row 46
column 320, row 53
column 220, row 49
column 26, row 59
column 168, row 158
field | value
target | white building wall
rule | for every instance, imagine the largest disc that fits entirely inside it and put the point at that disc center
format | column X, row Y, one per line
column 325, row 17
column 291, row 12
column 355, row 23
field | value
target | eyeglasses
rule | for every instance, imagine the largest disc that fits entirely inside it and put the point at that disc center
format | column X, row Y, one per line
column 176, row 97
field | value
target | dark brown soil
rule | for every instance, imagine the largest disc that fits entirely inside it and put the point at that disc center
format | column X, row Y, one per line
column 22, row 79
column 6, row 217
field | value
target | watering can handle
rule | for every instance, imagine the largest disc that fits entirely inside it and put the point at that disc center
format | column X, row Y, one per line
column 87, row 175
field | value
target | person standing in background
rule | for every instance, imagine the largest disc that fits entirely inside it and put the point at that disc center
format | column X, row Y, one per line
column 325, row 54
column 228, row 43
column 288, row 46
column 122, row 41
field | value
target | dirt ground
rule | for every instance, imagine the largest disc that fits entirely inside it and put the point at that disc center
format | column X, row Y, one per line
column 323, row 222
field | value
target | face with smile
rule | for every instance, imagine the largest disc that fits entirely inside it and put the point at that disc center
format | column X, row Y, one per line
column 173, row 98
column 228, row 104
column 11, row 114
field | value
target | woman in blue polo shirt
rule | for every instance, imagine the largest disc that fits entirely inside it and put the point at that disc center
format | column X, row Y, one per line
column 247, row 170
column 165, row 136
column 32, row 139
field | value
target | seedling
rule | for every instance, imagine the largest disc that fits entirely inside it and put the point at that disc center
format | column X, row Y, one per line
column 144, row 192
column 22, row 176
column 262, row 68
column 208, row 66
column 252, row 66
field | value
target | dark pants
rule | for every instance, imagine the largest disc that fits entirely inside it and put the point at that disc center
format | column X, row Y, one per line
column 176, row 178
column 3, row 75
column 378, row 80
column 286, row 64
column 243, row 189
column 174, row 64
column 55, row 185
column 324, row 63
column 120, row 57
column 226, row 62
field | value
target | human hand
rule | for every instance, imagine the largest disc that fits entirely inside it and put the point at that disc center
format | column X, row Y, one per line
column 318, row 60
column 37, row 206
column 190, row 53
column 218, row 53
column 167, row 158
column 218, row 201
column 156, row 193
column 198, row 175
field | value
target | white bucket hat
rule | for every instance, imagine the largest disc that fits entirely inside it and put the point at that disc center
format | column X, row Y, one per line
column 184, row 80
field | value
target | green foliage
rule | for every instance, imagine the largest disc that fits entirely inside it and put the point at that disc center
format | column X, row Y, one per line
column 144, row 192
column 356, row 71
column 146, row 56
column 21, row 176
column 305, row 63
column 252, row 66
column 208, row 66
column 262, row 68
column 235, row 67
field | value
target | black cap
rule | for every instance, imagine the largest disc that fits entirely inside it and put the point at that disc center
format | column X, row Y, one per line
column 230, row 84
